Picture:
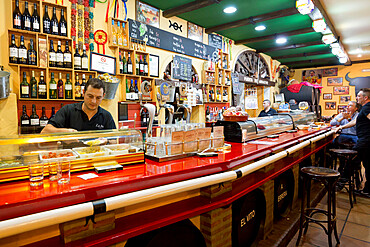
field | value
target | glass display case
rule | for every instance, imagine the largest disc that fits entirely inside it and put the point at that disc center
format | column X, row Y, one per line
column 86, row 150
column 302, row 117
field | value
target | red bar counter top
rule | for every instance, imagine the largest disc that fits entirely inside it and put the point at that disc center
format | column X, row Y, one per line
column 18, row 199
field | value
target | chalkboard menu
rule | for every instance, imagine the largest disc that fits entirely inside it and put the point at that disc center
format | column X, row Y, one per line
column 215, row 41
column 171, row 42
column 235, row 83
column 181, row 68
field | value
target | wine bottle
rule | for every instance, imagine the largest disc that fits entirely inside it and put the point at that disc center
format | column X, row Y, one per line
column 33, row 85
column 114, row 34
column 124, row 61
column 43, row 119
column 42, row 87
column 77, row 88
column 129, row 64
column 120, row 63
column 62, row 24
column 136, row 90
column 137, row 71
column 84, row 60
column 17, row 16
column 46, row 21
column 52, row 112
column 13, row 51
column 127, row 90
column 22, row 52
column 26, row 18
column 124, row 37
column 35, row 19
column 52, row 88
column 208, row 115
column 31, row 54
column 68, row 88
column 52, row 55
column 132, row 90
column 34, row 118
column 83, row 85
column 25, row 119
column 67, row 59
column 60, row 55
column 146, row 67
column 54, row 23
column 141, row 66
column 77, row 59
column 25, row 87
column 60, row 87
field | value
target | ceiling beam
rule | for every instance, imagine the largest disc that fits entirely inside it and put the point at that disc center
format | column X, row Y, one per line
column 188, row 7
column 309, row 61
column 273, row 36
column 253, row 20
column 305, row 54
column 294, row 46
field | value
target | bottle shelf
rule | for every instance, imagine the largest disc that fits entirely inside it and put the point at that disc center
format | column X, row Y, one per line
column 34, row 99
column 62, row 69
column 21, row 31
column 25, row 65
column 53, row 36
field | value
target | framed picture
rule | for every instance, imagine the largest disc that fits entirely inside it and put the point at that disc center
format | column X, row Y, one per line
column 341, row 90
column 154, row 65
column 338, row 81
column 147, row 14
column 330, row 105
column 195, row 32
column 342, row 108
column 344, row 99
column 313, row 76
column 327, row 96
column 102, row 63
column 330, row 72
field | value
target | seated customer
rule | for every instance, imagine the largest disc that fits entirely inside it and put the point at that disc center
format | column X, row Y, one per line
column 267, row 110
column 86, row 115
column 348, row 135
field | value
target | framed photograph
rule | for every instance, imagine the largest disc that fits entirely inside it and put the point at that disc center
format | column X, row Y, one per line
column 327, row 96
column 147, row 14
column 341, row 90
column 313, row 76
column 338, row 81
column 344, row 99
column 102, row 63
column 154, row 65
column 342, row 108
column 330, row 72
column 330, row 105
column 195, row 32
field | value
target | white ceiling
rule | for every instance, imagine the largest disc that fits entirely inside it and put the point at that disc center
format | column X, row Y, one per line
column 351, row 19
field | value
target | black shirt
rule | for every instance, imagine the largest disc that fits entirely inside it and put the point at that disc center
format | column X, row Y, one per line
column 72, row 116
column 266, row 114
column 363, row 127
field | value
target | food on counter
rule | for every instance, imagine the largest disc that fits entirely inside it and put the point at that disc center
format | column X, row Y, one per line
column 10, row 164
column 90, row 150
column 119, row 147
column 95, row 142
column 234, row 111
column 52, row 155
column 261, row 127
column 303, row 127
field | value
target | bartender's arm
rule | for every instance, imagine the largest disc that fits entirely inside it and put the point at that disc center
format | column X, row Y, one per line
column 51, row 129
column 57, row 124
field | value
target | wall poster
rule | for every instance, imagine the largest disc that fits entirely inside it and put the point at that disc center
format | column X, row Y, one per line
column 147, row 14
column 251, row 101
column 313, row 76
column 195, row 32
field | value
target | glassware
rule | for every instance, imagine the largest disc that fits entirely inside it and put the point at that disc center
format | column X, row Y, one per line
column 36, row 172
column 64, row 171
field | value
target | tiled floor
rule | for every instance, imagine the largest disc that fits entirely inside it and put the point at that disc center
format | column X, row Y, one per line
column 353, row 225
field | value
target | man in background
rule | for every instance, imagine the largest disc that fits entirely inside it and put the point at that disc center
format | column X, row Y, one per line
column 267, row 110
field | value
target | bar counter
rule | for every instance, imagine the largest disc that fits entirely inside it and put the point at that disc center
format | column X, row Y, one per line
column 17, row 199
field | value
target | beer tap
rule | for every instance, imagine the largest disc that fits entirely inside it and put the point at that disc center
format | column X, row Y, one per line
column 187, row 109
column 168, row 107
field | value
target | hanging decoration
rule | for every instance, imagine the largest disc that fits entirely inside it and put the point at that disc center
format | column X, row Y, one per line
column 113, row 9
column 73, row 21
column 101, row 38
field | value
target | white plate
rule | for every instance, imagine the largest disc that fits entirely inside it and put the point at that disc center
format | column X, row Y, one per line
column 95, row 142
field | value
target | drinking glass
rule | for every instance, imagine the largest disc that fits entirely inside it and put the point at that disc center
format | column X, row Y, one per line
column 64, row 171
column 36, row 172
column 53, row 171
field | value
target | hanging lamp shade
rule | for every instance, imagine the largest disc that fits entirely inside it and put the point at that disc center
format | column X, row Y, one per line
column 328, row 38
column 319, row 25
column 304, row 6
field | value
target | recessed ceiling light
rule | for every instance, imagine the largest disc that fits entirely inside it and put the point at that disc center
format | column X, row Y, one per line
column 281, row 40
column 260, row 28
column 229, row 10
column 359, row 55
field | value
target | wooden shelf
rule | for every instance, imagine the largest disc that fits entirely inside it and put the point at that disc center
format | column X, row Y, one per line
column 34, row 99
column 57, row 36
column 62, row 69
column 21, row 31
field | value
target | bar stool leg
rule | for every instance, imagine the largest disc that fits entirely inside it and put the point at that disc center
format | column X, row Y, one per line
column 302, row 218
column 334, row 212
column 350, row 188
column 308, row 189
column 330, row 226
column 352, row 179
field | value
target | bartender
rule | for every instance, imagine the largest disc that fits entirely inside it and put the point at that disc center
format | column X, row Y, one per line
column 86, row 115
column 267, row 110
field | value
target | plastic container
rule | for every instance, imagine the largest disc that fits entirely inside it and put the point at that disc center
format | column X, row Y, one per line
column 90, row 152
column 118, row 149
column 110, row 89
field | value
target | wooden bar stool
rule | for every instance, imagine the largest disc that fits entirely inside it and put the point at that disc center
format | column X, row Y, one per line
column 348, row 157
column 329, row 178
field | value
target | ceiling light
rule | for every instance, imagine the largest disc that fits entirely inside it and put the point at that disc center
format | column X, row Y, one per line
column 343, row 59
column 359, row 55
column 281, row 40
column 260, row 28
column 229, row 10
column 328, row 38
column 319, row 25
column 335, row 45
column 304, row 6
